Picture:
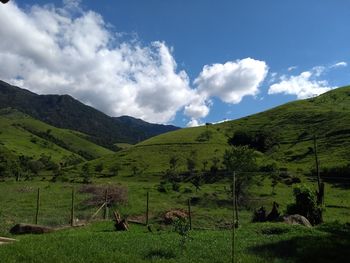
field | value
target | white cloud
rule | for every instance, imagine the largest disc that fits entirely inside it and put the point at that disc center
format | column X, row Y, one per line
column 339, row 64
column 233, row 80
column 303, row 86
column 292, row 68
column 193, row 123
column 50, row 50
column 69, row 50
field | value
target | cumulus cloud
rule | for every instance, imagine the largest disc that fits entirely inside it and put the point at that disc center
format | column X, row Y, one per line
column 339, row 64
column 292, row 68
column 304, row 85
column 50, row 50
column 193, row 123
column 229, row 82
column 233, row 80
column 69, row 50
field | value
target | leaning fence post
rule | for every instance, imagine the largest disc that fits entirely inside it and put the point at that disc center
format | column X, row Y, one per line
column 147, row 208
column 72, row 209
column 106, row 204
column 37, row 206
column 189, row 213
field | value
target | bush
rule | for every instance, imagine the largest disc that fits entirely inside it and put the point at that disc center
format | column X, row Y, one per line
column 164, row 187
column 116, row 194
column 306, row 205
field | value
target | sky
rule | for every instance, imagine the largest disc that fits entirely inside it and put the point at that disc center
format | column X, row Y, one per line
column 177, row 62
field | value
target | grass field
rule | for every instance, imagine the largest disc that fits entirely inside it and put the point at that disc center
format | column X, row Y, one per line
column 99, row 243
column 253, row 243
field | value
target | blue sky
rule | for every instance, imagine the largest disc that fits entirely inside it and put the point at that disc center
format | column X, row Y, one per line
column 297, row 49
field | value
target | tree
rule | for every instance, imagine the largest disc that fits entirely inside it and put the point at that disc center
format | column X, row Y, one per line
column 171, row 175
column 262, row 140
column 191, row 162
column 99, row 168
column 173, row 162
column 240, row 160
column 114, row 169
column 85, row 170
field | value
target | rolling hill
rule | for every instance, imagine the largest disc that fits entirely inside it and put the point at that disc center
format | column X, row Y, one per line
column 21, row 135
column 292, row 127
column 68, row 113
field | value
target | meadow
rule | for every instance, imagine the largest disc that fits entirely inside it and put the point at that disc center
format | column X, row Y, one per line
column 211, row 237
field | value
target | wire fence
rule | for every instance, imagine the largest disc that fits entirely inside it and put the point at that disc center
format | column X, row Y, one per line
column 207, row 207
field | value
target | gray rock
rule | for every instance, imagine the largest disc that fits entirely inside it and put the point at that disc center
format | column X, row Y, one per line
column 296, row 220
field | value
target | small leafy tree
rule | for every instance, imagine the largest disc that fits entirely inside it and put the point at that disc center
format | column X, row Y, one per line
column 182, row 227
column 197, row 180
column 171, row 175
column 240, row 160
column 204, row 164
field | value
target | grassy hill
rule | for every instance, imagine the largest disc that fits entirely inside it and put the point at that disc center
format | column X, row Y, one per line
column 292, row 127
column 69, row 113
column 20, row 134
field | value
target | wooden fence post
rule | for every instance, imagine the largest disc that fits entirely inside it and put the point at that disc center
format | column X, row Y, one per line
column 37, row 206
column 189, row 213
column 106, row 205
column 72, row 208
column 233, row 214
column 147, row 209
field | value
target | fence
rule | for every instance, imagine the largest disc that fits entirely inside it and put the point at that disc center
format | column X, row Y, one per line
column 209, row 207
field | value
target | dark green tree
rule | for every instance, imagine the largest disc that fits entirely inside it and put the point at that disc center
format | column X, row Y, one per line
column 85, row 173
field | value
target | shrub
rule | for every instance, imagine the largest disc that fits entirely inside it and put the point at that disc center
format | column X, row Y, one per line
column 164, row 187
column 306, row 205
column 116, row 194
column 182, row 227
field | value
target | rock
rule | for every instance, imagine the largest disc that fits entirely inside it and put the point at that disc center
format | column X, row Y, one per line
column 259, row 215
column 30, row 229
column 172, row 215
column 296, row 220
column 274, row 215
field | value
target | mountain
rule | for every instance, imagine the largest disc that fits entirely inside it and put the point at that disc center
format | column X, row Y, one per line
column 282, row 136
column 63, row 111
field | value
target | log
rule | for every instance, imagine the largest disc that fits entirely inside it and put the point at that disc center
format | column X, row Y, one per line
column 120, row 224
column 20, row 229
column 5, row 240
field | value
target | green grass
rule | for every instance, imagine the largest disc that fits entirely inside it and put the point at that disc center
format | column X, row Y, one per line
column 98, row 242
column 253, row 243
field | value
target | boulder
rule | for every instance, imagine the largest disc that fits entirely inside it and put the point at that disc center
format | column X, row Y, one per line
column 296, row 220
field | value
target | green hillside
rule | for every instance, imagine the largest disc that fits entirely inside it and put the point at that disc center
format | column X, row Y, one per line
column 23, row 135
column 63, row 111
column 291, row 126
